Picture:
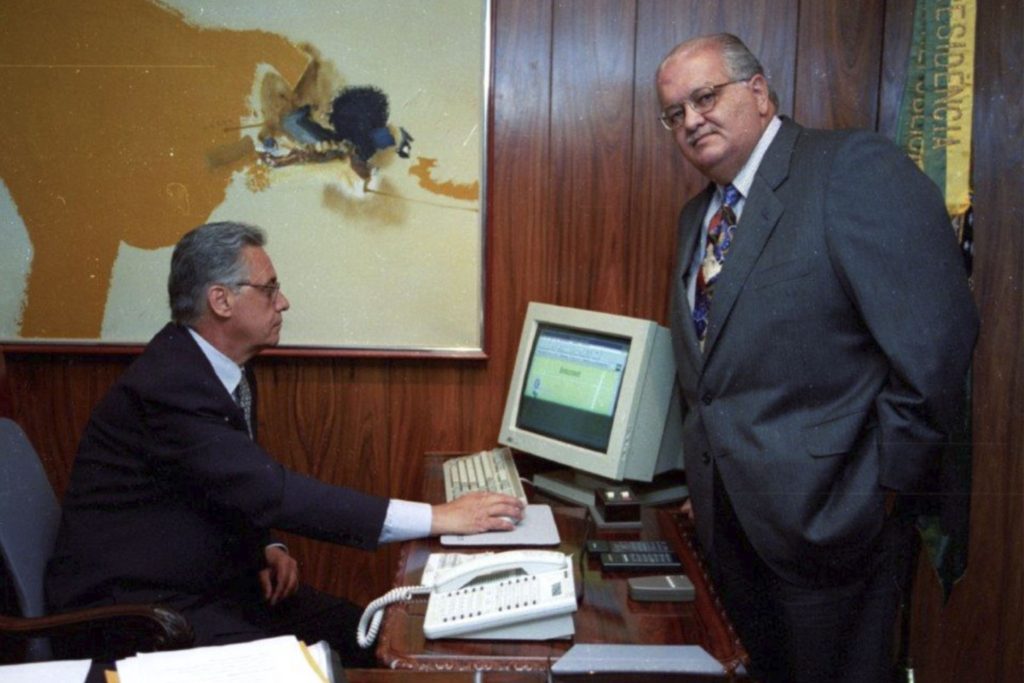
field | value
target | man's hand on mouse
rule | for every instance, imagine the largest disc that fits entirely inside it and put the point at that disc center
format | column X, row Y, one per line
column 476, row 512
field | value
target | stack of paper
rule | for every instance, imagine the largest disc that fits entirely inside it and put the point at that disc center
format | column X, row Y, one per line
column 272, row 660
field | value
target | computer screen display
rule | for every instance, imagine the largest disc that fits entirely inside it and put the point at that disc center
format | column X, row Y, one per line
column 572, row 385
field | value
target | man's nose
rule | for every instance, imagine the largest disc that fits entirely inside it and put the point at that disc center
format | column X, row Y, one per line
column 691, row 119
column 282, row 302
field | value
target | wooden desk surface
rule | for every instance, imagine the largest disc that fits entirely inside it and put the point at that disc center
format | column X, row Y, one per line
column 606, row 614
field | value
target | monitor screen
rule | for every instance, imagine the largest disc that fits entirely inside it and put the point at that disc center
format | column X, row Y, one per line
column 594, row 392
column 572, row 385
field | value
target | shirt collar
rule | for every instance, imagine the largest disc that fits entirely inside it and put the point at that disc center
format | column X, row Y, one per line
column 745, row 178
column 227, row 371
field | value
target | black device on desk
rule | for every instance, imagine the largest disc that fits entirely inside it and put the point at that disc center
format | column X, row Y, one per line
column 634, row 555
column 661, row 588
column 640, row 561
column 598, row 546
column 595, row 393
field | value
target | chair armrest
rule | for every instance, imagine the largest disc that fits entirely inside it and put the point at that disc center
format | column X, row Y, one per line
column 160, row 628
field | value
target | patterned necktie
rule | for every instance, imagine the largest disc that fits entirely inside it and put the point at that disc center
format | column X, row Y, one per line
column 720, row 234
column 243, row 397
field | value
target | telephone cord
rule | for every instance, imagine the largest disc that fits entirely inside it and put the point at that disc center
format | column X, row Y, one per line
column 374, row 612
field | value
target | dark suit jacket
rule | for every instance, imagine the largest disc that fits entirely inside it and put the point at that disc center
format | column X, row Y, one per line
column 171, row 501
column 839, row 337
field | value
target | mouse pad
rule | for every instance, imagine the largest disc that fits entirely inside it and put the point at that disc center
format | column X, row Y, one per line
column 537, row 528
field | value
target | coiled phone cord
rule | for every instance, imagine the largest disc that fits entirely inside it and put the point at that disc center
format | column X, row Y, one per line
column 374, row 612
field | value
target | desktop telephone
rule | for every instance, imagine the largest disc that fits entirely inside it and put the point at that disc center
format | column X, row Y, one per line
column 516, row 594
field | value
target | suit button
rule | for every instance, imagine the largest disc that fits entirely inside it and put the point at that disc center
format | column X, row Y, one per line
column 705, row 458
column 706, row 399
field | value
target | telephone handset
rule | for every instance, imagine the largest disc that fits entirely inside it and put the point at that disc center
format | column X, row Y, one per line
column 522, row 594
column 486, row 564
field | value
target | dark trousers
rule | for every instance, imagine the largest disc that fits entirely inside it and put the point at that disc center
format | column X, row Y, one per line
column 310, row 615
column 839, row 631
column 239, row 615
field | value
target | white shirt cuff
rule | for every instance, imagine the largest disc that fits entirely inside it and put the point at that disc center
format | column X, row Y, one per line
column 406, row 520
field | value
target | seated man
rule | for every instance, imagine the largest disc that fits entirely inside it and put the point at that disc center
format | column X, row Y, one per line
column 172, row 501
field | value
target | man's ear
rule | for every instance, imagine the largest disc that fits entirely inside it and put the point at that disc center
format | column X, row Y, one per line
column 220, row 300
column 759, row 86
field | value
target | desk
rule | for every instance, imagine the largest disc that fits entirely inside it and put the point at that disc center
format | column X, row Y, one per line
column 606, row 614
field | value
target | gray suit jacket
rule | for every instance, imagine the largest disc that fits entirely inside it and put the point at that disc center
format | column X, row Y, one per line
column 839, row 337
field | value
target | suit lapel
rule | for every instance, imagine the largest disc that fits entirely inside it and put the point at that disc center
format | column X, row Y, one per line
column 690, row 227
column 253, row 391
column 761, row 213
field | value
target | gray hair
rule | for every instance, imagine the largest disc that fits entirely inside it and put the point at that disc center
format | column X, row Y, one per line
column 740, row 62
column 207, row 255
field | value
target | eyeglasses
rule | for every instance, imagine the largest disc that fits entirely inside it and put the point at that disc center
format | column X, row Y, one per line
column 271, row 289
column 701, row 101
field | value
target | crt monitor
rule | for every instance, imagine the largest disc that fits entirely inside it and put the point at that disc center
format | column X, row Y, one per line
column 595, row 393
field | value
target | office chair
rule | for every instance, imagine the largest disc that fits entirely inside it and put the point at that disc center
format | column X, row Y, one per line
column 29, row 518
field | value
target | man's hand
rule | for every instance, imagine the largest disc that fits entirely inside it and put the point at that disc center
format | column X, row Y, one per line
column 280, row 579
column 476, row 512
column 687, row 509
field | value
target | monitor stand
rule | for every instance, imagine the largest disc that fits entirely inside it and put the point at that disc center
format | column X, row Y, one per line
column 579, row 488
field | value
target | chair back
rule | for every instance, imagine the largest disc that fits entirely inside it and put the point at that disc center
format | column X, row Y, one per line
column 29, row 518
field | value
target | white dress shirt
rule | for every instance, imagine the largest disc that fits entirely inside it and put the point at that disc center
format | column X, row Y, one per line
column 742, row 182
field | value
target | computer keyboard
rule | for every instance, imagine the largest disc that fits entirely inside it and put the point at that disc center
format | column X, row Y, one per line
column 493, row 470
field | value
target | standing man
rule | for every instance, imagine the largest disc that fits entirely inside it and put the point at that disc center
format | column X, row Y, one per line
column 172, row 500
column 822, row 327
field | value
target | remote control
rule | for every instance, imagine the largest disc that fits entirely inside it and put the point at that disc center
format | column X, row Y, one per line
column 601, row 546
column 670, row 588
column 642, row 561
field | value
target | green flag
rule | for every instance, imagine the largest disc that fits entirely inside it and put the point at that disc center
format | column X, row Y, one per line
column 935, row 129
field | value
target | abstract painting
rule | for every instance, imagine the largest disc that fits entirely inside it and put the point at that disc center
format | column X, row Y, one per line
column 352, row 131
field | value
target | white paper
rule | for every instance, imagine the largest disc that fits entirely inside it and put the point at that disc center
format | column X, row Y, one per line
column 271, row 660
column 65, row 671
column 321, row 654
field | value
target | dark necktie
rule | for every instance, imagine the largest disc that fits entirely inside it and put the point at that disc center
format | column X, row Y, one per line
column 720, row 234
column 243, row 396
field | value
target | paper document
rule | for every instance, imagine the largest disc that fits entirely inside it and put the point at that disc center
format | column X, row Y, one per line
column 270, row 660
column 68, row 671
column 537, row 528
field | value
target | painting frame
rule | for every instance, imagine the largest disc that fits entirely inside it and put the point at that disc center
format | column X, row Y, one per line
column 466, row 346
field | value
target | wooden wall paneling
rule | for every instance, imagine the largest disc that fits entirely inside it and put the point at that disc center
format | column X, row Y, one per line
column 521, row 237
column 328, row 418
column 662, row 179
column 771, row 31
column 899, row 24
column 979, row 634
column 425, row 414
column 6, row 404
column 838, row 65
column 591, row 120
column 53, row 396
